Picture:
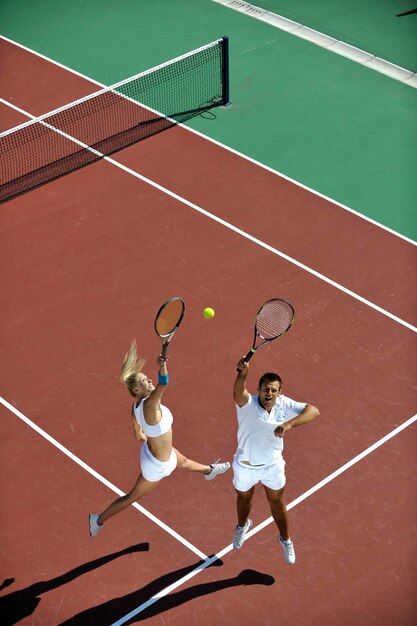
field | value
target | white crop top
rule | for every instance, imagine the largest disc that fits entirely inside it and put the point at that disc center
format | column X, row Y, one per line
column 154, row 430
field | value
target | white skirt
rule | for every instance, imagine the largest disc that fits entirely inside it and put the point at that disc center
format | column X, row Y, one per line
column 153, row 469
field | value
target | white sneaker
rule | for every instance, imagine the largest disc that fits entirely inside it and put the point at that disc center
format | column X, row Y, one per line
column 289, row 552
column 94, row 526
column 217, row 468
column 240, row 533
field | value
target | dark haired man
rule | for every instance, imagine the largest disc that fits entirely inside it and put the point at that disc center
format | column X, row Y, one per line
column 263, row 420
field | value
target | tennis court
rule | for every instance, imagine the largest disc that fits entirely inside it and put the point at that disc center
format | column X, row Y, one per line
column 87, row 260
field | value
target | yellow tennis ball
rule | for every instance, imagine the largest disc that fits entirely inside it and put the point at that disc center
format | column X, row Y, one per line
column 208, row 313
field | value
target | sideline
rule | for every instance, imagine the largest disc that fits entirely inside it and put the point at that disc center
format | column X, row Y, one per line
column 324, row 41
column 242, row 233
column 99, row 477
column 268, row 521
column 207, row 561
column 221, row 145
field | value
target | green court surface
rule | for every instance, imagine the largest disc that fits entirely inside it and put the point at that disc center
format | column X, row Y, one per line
column 377, row 26
column 344, row 130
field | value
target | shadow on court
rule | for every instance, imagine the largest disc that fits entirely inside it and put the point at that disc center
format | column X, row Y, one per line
column 19, row 604
column 407, row 13
column 109, row 612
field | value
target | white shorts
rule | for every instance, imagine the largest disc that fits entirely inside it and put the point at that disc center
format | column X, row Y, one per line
column 245, row 476
column 154, row 470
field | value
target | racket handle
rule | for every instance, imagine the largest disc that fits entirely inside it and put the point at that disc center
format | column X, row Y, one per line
column 249, row 356
column 164, row 351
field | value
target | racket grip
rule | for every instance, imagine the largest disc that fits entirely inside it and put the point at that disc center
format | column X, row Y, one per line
column 249, row 356
column 164, row 351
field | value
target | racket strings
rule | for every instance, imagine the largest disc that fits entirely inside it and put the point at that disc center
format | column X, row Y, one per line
column 274, row 319
column 169, row 317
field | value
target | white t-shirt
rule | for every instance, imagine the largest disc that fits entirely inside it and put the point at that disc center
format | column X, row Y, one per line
column 257, row 443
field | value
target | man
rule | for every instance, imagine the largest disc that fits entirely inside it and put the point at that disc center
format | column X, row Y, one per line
column 263, row 420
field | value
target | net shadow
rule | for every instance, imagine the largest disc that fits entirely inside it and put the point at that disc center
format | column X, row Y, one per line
column 99, row 125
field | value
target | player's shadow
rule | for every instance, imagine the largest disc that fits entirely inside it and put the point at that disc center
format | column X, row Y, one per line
column 19, row 604
column 407, row 13
column 109, row 612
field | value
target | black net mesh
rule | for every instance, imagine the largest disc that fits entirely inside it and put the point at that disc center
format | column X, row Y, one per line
column 87, row 130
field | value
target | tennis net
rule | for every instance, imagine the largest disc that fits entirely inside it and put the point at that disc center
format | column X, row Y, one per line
column 80, row 133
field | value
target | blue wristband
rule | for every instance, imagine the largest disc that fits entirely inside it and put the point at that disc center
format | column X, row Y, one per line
column 162, row 379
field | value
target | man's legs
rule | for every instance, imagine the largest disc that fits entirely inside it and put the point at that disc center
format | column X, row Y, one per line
column 244, row 504
column 279, row 513
column 278, row 510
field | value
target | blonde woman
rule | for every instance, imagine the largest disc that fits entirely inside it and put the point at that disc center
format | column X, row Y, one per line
column 152, row 424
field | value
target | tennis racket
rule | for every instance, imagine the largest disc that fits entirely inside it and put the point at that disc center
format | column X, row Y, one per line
column 274, row 319
column 167, row 320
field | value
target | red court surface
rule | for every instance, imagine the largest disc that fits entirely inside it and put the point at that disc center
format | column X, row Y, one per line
column 87, row 260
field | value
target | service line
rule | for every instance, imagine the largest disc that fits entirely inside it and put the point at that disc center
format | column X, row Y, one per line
column 241, row 232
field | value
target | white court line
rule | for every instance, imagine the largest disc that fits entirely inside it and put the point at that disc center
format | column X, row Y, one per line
column 371, row 61
column 246, row 235
column 221, row 145
column 264, row 245
column 103, row 480
column 208, row 561
column 161, row 594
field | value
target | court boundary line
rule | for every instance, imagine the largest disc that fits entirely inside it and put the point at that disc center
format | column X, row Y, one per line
column 264, row 245
column 99, row 477
column 251, row 238
column 207, row 561
column 202, row 566
column 329, row 43
column 221, row 145
column 308, row 493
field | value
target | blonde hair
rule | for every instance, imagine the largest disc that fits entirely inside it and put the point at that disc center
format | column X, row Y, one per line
column 131, row 368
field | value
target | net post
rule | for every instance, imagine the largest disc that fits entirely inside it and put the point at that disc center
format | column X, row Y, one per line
column 225, row 47
column 57, row 143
